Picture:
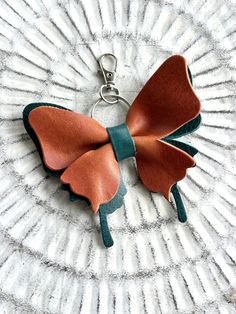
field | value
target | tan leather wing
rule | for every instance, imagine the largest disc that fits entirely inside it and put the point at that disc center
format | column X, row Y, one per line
column 166, row 102
column 95, row 175
column 64, row 135
column 160, row 165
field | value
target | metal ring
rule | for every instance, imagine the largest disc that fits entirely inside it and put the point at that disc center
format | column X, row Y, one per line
column 118, row 97
column 112, row 88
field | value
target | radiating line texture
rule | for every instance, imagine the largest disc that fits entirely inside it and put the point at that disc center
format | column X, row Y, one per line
column 52, row 259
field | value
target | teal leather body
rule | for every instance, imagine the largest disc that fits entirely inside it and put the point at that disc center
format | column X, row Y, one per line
column 122, row 142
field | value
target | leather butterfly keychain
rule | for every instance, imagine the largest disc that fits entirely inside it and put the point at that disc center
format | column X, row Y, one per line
column 86, row 156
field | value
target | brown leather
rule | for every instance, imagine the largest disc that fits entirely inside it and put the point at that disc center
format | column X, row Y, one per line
column 166, row 102
column 95, row 175
column 64, row 135
column 160, row 164
column 80, row 144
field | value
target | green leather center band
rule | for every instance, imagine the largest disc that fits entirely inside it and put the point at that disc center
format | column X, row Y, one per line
column 122, row 142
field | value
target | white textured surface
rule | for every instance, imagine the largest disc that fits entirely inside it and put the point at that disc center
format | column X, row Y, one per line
column 52, row 259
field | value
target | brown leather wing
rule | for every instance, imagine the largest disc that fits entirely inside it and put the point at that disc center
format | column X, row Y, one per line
column 64, row 135
column 160, row 165
column 95, row 175
column 166, row 102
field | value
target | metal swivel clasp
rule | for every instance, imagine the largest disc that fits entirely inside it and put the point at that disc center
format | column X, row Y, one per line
column 108, row 91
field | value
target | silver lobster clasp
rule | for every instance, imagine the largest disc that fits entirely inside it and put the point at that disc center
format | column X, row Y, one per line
column 108, row 74
column 109, row 78
column 108, row 91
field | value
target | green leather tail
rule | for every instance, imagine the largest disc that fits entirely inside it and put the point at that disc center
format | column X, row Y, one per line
column 106, row 235
column 109, row 208
column 182, row 216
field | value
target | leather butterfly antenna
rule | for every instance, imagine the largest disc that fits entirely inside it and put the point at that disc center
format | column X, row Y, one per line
column 85, row 155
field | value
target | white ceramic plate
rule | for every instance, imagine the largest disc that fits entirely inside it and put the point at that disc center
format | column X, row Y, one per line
column 52, row 259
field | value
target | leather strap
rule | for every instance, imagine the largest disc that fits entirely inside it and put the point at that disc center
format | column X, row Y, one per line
column 122, row 142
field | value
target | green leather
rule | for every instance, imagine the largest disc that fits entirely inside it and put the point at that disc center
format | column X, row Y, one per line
column 190, row 76
column 186, row 129
column 192, row 151
column 179, row 204
column 33, row 136
column 108, row 208
column 189, row 127
column 122, row 142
